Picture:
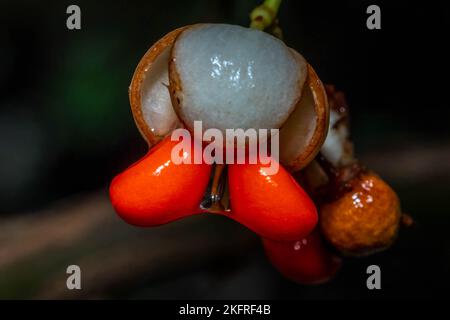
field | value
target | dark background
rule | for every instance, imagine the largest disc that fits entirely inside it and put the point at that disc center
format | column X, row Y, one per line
column 66, row 130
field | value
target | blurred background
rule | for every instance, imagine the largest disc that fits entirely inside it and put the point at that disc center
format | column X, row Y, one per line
column 66, row 129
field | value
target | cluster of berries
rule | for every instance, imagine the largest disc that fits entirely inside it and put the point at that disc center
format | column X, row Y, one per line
column 320, row 205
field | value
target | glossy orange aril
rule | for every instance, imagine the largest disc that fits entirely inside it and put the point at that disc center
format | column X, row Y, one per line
column 155, row 191
column 305, row 261
column 273, row 206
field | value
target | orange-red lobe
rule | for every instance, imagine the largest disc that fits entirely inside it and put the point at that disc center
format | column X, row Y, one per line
column 273, row 206
column 305, row 261
column 154, row 190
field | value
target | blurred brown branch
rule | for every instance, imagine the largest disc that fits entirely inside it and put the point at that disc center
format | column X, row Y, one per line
column 36, row 248
column 407, row 163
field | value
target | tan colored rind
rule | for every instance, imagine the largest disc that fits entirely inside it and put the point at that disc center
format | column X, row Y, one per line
column 314, row 84
column 134, row 91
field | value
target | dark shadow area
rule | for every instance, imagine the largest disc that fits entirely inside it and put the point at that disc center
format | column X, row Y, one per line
column 66, row 130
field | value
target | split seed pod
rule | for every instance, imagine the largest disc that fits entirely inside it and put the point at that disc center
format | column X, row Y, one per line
column 230, row 77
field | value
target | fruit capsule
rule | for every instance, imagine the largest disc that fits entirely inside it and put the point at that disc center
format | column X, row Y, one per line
column 203, row 65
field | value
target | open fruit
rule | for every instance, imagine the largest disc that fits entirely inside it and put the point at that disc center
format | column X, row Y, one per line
column 230, row 77
column 227, row 77
column 233, row 78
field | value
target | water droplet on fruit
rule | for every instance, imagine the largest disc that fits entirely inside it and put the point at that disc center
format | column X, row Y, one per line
column 367, row 185
column 299, row 244
column 267, row 177
column 357, row 200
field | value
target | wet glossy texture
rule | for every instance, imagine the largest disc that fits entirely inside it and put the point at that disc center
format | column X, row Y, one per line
column 235, row 77
column 273, row 206
column 155, row 191
column 224, row 75
column 363, row 220
column 304, row 261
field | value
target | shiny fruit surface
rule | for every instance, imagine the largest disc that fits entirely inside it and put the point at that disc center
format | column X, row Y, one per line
column 273, row 206
column 155, row 191
column 305, row 261
column 364, row 219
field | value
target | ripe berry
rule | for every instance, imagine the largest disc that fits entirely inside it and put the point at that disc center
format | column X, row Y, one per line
column 363, row 219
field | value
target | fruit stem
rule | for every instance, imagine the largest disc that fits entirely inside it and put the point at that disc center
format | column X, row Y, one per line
column 215, row 192
column 339, row 177
column 264, row 15
column 406, row 220
column 215, row 200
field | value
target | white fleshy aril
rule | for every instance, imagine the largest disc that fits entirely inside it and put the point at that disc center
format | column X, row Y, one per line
column 298, row 131
column 157, row 107
column 233, row 77
column 337, row 147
